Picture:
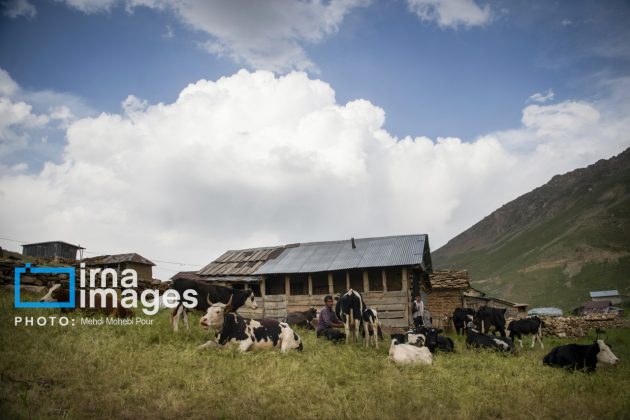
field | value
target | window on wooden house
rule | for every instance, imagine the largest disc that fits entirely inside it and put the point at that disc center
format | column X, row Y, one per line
column 255, row 287
column 356, row 280
column 393, row 277
column 339, row 281
column 274, row 285
column 375, row 277
column 299, row 284
column 320, row 283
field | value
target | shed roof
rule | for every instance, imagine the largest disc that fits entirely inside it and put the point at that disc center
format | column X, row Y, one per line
column 54, row 242
column 240, row 262
column 340, row 255
column 117, row 259
column 450, row 279
column 190, row 275
column 604, row 293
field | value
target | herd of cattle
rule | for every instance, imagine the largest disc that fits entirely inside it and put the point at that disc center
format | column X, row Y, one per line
column 414, row 346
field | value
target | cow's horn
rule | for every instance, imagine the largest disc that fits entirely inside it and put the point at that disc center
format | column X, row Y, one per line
column 208, row 299
column 228, row 306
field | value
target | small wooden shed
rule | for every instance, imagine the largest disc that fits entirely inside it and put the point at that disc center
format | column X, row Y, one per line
column 447, row 294
column 52, row 250
column 120, row 262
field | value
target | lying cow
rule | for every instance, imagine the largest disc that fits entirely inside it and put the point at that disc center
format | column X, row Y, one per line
column 302, row 319
column 410, row 337
column 520, row 327
column 488, row 317
column 581, row 356
column 476, row 339
column 435, row 342
column 406, row 354
column 461, row 317
column 105, row 304
column 250, row 334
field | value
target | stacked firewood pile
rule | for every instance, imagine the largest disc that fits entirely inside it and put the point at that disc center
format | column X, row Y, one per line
column 578, row 326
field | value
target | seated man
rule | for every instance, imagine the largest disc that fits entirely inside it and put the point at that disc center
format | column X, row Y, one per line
column 329, row 322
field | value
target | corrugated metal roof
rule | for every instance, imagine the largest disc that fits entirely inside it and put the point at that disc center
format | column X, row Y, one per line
column 54, row 242
column 604, row 293
column 339, row 255
column 117, row 259
column 240, row 262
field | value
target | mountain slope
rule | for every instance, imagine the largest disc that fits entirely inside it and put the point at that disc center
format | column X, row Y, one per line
column 554, row 244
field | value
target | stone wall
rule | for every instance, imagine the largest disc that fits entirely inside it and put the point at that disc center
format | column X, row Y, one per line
column 578, row 326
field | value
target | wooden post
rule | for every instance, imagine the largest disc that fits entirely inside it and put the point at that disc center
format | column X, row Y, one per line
column 287, row 285
column 405, row 284
column 310, row 285
column 347, row 280
column 366, row 281
column 384, row 280
column 331, row 289
column 262, row 287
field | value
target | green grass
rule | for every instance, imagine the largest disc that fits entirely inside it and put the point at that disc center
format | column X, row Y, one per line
column 149, row 372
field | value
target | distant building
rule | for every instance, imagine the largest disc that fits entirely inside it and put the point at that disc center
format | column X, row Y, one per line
column 607, row 295
column 52, row 250
column 594, row 307
column 121, row 262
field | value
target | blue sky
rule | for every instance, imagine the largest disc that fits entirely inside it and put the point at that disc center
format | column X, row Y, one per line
column 511, row 85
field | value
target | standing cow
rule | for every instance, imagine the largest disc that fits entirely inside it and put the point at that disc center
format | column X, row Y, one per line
column 581, row 356
column 491, row 317
column 349, row 310
column 206, row 293
column 462, row 316
column 532, row 325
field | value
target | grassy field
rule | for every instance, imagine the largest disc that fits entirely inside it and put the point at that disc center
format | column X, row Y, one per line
column 147, row 371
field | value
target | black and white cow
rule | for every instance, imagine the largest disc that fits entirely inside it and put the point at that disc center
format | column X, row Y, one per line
column 251, row 334
column 531, row 325
column 412, row 337
column 371, row 326
column 491, row 317
column 476, row 339
column 209, row 293
column 581, row 356
column 302, row 319
column 434, row 341
column 349, row 309
column 461, row 317
column 401, row 353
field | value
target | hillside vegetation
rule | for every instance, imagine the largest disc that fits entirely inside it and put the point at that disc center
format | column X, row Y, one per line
column 149, row 372
column 554, row 244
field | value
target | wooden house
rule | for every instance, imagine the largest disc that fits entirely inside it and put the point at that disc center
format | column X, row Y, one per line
column 52, row 250
column 296, row 277
column 120, row 262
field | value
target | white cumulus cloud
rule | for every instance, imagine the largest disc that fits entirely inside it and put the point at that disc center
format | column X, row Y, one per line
column 265, row 35
column 542, row 96
column 254, row 159
column 16, row 8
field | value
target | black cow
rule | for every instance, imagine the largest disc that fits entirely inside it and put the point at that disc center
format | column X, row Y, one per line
column 476, row 339
column 208, row 294
column 302, row 319
column 461, row 317
column 349, row 309
column 581, row 356
column 251, row 334
column 435, row 342
column 491, row 317
column 532, row 325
